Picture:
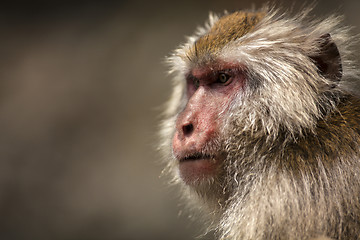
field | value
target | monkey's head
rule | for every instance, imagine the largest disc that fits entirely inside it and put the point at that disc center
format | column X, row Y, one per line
column 247, row 87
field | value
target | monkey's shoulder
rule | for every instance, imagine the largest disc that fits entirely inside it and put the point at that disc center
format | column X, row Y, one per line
column 340, row 129
column 336, row 135
column 345, row 119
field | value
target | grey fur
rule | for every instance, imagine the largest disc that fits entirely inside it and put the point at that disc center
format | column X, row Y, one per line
column 259, row 195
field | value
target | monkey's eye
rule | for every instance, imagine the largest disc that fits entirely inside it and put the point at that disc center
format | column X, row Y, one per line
column 196, row 83
column 223, row 78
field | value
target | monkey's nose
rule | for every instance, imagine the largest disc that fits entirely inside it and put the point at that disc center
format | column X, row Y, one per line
column 188, row 129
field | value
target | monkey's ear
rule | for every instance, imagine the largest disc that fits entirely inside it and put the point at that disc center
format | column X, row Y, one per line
column 328, row 59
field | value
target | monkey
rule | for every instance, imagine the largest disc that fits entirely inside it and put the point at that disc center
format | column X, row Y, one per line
column 262, row 131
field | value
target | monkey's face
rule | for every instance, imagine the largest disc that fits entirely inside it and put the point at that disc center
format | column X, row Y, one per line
column 196, row 144
column 242, row 94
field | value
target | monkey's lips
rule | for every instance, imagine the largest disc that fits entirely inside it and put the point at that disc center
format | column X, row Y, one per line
column 197, row 167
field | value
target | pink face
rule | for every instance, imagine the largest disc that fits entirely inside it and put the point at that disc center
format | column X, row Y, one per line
column 209, row 93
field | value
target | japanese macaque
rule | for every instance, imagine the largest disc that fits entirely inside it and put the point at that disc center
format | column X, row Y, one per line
column 262, row 132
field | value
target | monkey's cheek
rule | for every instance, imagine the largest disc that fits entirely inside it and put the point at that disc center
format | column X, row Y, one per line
column 194, row 172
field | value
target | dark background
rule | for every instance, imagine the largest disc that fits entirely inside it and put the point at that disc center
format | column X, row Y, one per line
column 81, row 85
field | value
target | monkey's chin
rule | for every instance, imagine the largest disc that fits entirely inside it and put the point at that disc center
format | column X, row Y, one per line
column 195, row 171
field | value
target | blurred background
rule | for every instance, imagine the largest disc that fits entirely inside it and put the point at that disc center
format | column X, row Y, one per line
column 81, row 85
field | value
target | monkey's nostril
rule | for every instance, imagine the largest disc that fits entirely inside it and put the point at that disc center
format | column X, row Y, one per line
column 188, row 129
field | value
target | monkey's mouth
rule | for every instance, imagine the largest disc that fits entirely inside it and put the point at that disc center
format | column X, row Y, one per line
column 195, row 157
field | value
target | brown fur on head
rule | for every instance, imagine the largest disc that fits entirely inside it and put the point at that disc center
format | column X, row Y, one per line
column 225, row 30
column 287, row 141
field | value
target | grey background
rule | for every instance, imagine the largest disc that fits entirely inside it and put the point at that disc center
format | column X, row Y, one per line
column 81, row 85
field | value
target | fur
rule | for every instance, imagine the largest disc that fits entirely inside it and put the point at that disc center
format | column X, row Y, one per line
column 292, row 139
